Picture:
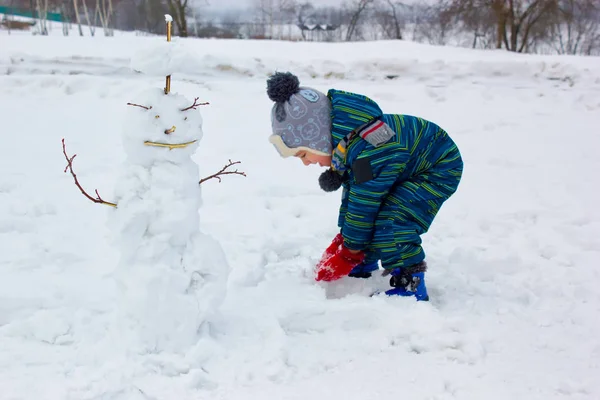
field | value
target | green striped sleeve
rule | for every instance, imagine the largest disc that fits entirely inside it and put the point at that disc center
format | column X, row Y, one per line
column 364, row 199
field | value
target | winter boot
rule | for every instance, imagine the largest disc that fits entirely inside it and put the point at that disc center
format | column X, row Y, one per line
column 409, row 281
column 364, row 270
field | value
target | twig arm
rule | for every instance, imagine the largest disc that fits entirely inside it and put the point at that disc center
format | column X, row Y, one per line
column 196, row 104
column 69, row 168
column 224, row 171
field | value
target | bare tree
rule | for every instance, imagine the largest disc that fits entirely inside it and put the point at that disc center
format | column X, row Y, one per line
column 274, row 13
column 383, row 19
column 150, row 14
column 265, row 9
column 42, row 13
column 390, row 16
column 396, row 19
column 285, row 16
column 77, row 18
column 474, row 18
column 231, row 23
column 356, row 8
column 66, row 22
column 105, row 10
column 179, row 10
column 434, row 24
column 522, row 18
column 519, row 23
column 576, row 28
column 304, row 12
column 91, row 24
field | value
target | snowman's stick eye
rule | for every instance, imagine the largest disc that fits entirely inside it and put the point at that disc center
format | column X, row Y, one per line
column 138, row 105
column 196, row 104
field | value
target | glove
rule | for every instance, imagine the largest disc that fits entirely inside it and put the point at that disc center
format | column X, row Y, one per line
column 339, row 264
column 332, row 249
column 364, row 270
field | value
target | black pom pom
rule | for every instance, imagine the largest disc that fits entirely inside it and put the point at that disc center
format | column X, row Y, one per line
column 330, row 181
column 281, row 86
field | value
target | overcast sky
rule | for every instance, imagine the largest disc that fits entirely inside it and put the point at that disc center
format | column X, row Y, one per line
column 242, row 3
column 222, row 4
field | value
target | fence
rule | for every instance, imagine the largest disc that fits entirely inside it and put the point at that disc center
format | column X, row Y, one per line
column 51, row 16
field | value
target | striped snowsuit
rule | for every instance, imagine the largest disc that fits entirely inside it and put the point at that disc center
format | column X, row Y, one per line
column 413, row 174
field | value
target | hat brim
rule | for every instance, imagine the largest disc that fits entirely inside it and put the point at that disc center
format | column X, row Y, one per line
column 285, row 151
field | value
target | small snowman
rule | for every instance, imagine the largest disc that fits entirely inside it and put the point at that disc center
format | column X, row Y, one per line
column 171, row 277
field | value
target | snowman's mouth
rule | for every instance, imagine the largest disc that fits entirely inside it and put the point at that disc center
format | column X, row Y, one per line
column 169, row 145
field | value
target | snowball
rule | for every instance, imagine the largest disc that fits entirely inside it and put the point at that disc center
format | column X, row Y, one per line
column 163, row 307
column 168, row 18
column 164, row 113
column 160, row 58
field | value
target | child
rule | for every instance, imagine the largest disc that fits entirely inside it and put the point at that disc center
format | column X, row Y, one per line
column 396, row 171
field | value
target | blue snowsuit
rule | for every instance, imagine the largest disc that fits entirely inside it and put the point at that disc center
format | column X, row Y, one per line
column 418, row 169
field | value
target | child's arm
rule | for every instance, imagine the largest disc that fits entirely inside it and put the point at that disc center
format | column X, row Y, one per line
column 365, row 198
column 343, row 205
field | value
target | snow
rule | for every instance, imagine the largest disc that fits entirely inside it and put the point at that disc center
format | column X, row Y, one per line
column 171, row 278
column 513, row 255
column 246, row 58
column 160, row 58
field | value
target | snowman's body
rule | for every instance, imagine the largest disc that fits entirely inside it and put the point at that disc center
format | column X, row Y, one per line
column 171, row 276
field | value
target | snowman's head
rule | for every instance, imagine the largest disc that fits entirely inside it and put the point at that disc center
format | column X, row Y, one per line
column 161, row 127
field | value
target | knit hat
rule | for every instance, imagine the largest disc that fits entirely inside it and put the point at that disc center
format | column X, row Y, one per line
column 300, row 117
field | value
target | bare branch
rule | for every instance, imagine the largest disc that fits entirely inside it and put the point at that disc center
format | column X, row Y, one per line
column 193, row 106
column 224, row 172
column 69, row 168
column 137, row 105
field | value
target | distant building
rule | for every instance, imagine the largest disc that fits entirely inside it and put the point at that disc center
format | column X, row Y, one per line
column 318, row 32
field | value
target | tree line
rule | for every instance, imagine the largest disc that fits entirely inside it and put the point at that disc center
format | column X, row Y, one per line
column 523, row 26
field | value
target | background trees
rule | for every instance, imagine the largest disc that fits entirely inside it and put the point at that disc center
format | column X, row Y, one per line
column 523, row 26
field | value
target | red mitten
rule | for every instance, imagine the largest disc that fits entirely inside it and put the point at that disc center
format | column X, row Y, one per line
column 333, row 248
column 338, row 265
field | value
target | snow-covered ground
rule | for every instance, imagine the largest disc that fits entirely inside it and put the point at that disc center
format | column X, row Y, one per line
column 513, row 256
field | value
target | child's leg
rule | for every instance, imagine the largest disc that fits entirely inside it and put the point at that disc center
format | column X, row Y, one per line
column 414, row 204
column 405, row 258
column 408, row 213
column 402, row 245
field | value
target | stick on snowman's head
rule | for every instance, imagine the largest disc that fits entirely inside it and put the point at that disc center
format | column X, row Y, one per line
column 169, row 21
column 166, row 121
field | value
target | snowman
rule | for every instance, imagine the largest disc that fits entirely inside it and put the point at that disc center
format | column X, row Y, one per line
column 171, row 277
